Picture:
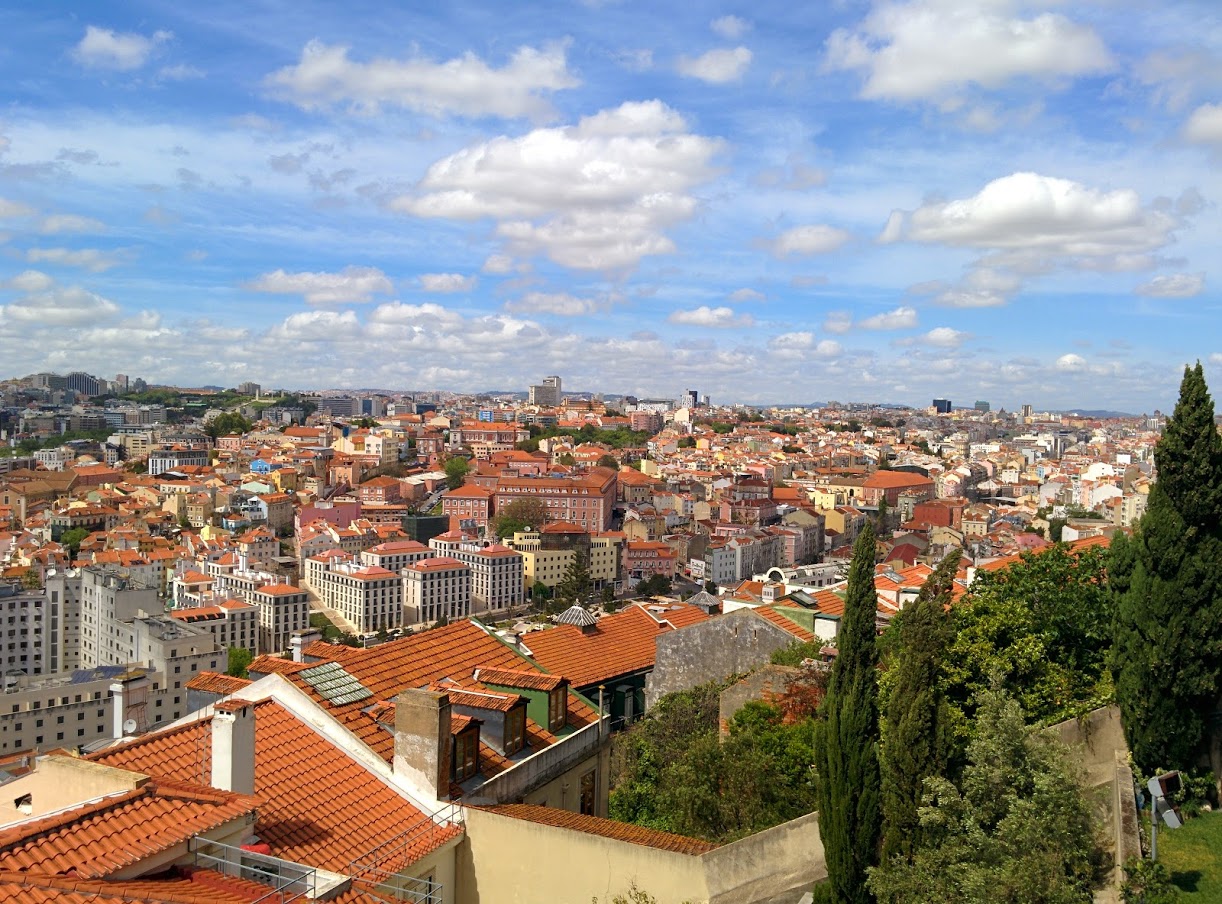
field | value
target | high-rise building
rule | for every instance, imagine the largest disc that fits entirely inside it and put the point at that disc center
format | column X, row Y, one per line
column 83, row 384
column 691, row 398
column 982, row 406
column 546, row 394
column 1026, row 412
column 941, row 406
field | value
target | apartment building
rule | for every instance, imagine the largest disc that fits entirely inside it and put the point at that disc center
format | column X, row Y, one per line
column 232, row 623
column 283, row 609
column 366, row 596
column 436, row 588
column 496, row 571
column 585, row 499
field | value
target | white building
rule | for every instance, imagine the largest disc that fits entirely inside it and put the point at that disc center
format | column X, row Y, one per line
column 437, row 588
column 497, row 572
column 283, row 609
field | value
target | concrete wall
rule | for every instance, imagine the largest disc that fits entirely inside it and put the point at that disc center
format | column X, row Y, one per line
column 582, row 750
column 570, row 866
column 1097, row 737
column 512, row 861
column 784, row 860
column 732, row 644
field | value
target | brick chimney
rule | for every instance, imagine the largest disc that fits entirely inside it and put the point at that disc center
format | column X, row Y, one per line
column 422, row 740
column 233, row 746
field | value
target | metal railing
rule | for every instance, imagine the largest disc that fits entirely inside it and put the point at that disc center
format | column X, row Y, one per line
column 288, row 881
column 380, row 867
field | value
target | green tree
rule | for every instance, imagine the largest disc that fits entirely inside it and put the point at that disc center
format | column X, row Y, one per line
column 1167, row 634
column 72, row 540
column 456, row 469
column 607, row 460
column 916, row 738
column 575, row 582
column 1017, row 828
column 566, row 459
column 710, row 587
column 227, row 423
column 520, row 514
column 240, row 659
column 1041, row 628
column 847, row 740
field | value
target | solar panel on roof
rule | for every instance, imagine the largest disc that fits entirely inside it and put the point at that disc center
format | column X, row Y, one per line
column 334, row 684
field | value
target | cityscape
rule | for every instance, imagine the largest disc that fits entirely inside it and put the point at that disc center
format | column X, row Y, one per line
column 614, row 454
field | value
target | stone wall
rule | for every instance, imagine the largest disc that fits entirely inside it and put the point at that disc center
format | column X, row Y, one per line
column 713, row 650
column 759, row 685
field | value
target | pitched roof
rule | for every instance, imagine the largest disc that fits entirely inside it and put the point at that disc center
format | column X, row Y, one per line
column 317, row 805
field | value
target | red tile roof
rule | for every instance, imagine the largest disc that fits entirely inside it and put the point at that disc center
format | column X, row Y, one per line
column 606, row 828
column 316, row 804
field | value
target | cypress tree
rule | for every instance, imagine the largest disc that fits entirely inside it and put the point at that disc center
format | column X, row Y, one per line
column 846, row 749
column 1167, row 634
column 916, row 737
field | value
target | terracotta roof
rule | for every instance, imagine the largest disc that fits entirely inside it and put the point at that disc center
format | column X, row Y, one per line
column 181, row 886
column 618, row 645
column 1074, row 547
column 520, row 678
column 775, row 614
column 279, row 589
column 606, row 828
column 317, row 805
column 216, row 683
column 106, row 836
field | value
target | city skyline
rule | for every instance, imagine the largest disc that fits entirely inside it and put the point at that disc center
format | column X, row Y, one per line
column 1000, row 200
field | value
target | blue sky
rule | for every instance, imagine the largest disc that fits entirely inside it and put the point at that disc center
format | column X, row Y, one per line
column 768, row 202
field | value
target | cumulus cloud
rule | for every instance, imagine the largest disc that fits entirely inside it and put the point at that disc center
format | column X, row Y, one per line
column 9, row 209
column 930, row 48
column 944, row 337
column 447, row 282
column 30, row 281
column 1215, row 358
column 1070, row 363
column 1204, row 126
column 901, row 318
column 982, row 287
column 746, row 295
column 325, row 77
column 598, row 195
column 67, row 222
column 806, row 240
column 795, row 175
column 713, row 317
column 90, row 259
column 53, row 305
column 352, row 285
column 102, row 48
column 730, row 27
column 1175, row 285
column 317, row 326
column 559, row 303
column 838, row 322
column 498, row 264
column 1031, row 222
column 717, row 67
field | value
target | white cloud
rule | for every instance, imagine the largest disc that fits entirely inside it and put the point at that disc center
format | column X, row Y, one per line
column 902, row 318
column 1175, row 285
column 795, row 175
column 800, row 339
column 635, row 60
column 816, row 239
column 352, row 285
column 838, row 322
column 944, row 337
column 746, row 295
column 712, row 317
column 179, row 73
column 1204, row 126
column 801, row 345
column 447, row 282
column 598, row 195
column 498, row 264
column 717, row 67
column 983, row 287
column 317, row 326
column 559, row 303
column 1033, row 222
column 102, row 48
column 1070, row 362
column 1215, row 358
column 730, row 27
column 90, row 259
column 10, row 209
column 57, row 305
column 466, row 85
column 67, row 222
column 30, row 281
column 930, row 48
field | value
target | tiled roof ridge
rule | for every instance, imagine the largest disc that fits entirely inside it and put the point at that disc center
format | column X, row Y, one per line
column 606, row 828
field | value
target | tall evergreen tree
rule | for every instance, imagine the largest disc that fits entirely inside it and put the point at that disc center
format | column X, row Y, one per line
column 916, row 734
column 1167, row 634
column 846, row 757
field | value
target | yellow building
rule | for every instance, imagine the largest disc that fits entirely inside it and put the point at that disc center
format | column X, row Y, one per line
column 546, row 563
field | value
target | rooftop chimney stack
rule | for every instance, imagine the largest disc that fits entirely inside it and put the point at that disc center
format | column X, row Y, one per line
column 301, row 639
column 422, row 740
column 233, row 746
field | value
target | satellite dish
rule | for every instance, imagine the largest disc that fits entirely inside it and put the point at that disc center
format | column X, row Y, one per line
column 129, row 727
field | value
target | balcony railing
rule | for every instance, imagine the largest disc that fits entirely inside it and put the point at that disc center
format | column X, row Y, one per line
column 288, row 881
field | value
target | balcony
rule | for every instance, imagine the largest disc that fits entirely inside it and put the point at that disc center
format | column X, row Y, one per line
column 286, row 881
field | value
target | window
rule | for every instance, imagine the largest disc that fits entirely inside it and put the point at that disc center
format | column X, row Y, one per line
column 466, row 751
column 589, row 794
column 515, row 729
column 555, row 709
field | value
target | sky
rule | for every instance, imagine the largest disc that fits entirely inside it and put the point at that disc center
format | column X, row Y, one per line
column 767, row 202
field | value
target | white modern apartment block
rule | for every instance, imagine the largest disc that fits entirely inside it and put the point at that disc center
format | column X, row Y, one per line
column 233, row 623
column 283, row 609
column 437, row 588
column 496, row 571
column 365, row 596
column 395, row 555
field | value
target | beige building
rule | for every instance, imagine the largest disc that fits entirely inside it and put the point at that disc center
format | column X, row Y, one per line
column 436, row 588
column 283, row 609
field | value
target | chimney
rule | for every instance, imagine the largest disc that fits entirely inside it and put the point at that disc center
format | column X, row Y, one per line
column 301, row 639
column 118, row 710
column 422, row 740
column 233, row 746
